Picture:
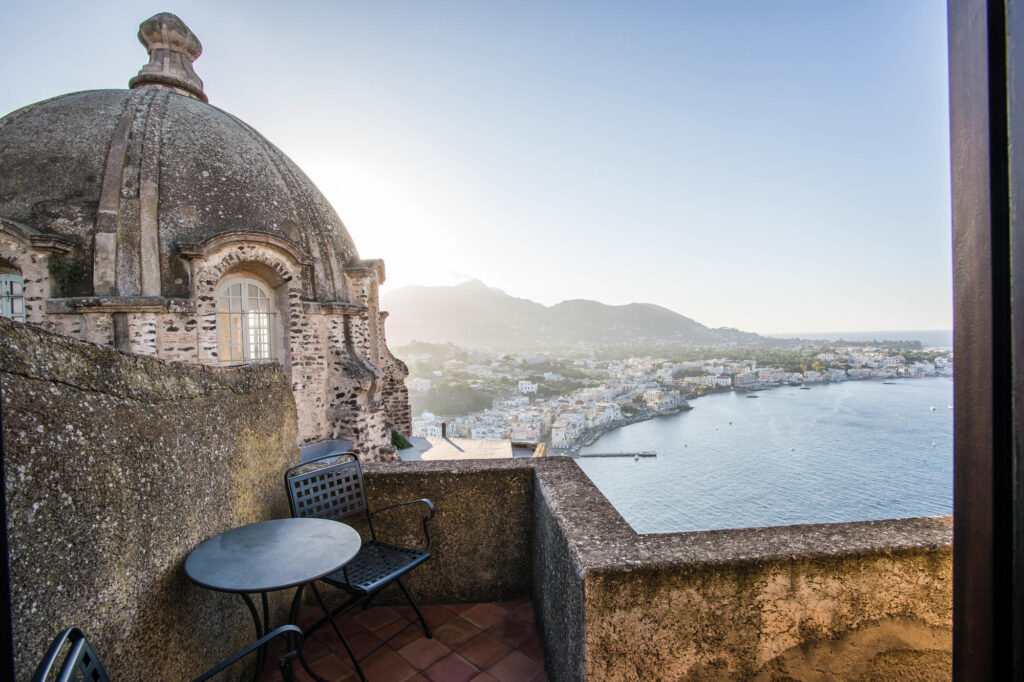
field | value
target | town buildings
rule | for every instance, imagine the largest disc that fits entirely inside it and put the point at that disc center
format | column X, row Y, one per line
column 653, row 385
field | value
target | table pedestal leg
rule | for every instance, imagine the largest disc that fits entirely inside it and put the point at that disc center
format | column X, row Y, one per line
column 261, row 657
column 294, row 618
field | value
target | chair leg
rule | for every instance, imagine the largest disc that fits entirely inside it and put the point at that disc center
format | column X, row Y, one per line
column 337, row 631
column 423, row 621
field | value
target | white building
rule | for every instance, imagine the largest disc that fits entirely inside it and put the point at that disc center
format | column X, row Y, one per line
column 527, row 387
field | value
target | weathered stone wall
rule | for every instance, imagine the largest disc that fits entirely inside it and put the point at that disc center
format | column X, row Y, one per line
column 346, row 382
column 842, row 601
column 558, row 583
column 850, row 601
column 876, row 614
column 116, row 468
column 395, row 392
column 33, row 267
column 482, row 532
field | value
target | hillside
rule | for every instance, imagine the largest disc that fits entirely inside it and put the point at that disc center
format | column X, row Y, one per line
column 474, row 315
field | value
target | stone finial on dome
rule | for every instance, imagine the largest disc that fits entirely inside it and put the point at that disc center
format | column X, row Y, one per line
column 172, row 48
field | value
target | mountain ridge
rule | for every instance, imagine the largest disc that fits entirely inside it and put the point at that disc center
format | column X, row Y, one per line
column 473, row 314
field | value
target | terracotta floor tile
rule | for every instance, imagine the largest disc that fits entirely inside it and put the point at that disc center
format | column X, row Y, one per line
column 301, row 675
column 347, row 624
column 386, row 665
column 483, row 650
column 410, row 634
column 533, row 648
column 515, row 667
column 483, row 677
column 484, row 615
column 332, row 667
column 457, row 632
column 418, row 677
column 361, row 644
column 511, row 632
column 391, row 628
column 459, row 608
column 423, row 652
column 375, row 617
column 405, row 611
column 451, row 668
column 318, row 646
column 523, row 613
column 541, row 677
column 511, row 605
column 436, row 614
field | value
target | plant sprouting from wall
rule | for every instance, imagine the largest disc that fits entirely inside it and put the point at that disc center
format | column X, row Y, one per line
column 65, row 274
column 399, row 441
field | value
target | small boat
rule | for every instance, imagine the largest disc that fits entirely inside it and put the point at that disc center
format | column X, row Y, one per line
column 889, row 383
column 791, row 449
column 636, row 458
column 805, row 388
column 753, row 396
column 932, row 408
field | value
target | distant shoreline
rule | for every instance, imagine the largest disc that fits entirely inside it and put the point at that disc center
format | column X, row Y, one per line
column 591, row 436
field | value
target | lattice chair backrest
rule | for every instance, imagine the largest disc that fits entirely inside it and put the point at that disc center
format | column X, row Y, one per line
column 332, row 492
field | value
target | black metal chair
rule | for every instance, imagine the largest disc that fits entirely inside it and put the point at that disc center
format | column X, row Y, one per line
column 336, row 492
column 81, row 662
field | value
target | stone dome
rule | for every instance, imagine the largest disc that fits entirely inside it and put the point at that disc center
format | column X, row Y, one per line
column 146, row 176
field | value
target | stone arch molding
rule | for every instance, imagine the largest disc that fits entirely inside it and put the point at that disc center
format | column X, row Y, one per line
column 278, row 267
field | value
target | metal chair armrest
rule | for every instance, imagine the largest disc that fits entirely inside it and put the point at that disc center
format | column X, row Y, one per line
column 284, row 630
column 422, row 500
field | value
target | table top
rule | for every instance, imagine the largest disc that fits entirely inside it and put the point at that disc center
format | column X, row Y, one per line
column 272, row 555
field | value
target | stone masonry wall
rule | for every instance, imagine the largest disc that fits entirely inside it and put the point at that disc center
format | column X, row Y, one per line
column 395, row 392
column 843, row 601
column 33, row 267
column 839, row 601
column 874, row 615
column 117, row 466
column 345, row 381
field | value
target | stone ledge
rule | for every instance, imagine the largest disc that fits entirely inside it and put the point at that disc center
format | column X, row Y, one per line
column 845, row 598
column 119, row 304
column 603, row 539
column 35, row 353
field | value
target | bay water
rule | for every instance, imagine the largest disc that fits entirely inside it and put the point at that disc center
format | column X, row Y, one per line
column 851, row 451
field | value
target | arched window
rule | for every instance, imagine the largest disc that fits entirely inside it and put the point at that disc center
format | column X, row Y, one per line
column 245, row 322
column 12, row 296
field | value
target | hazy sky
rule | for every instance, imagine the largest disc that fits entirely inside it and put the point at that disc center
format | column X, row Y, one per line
column 773, row 166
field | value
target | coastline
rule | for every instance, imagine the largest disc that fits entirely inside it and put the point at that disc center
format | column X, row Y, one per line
column 591, row 436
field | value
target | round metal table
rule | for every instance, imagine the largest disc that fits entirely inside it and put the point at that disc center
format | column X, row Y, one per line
column 272, row 555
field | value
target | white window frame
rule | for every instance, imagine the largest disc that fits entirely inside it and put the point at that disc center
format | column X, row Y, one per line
column 246, row 322
column 12, row 296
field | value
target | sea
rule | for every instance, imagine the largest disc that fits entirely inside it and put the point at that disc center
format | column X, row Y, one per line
column 850, row 451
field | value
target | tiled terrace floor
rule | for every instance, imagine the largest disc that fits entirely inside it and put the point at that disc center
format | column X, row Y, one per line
column 472, row 642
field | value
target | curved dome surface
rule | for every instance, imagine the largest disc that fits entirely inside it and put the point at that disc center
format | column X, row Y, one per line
column 96, row 161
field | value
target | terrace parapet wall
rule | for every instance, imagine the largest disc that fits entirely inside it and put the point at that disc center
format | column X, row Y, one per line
column 844, row 601
column 116, row 467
